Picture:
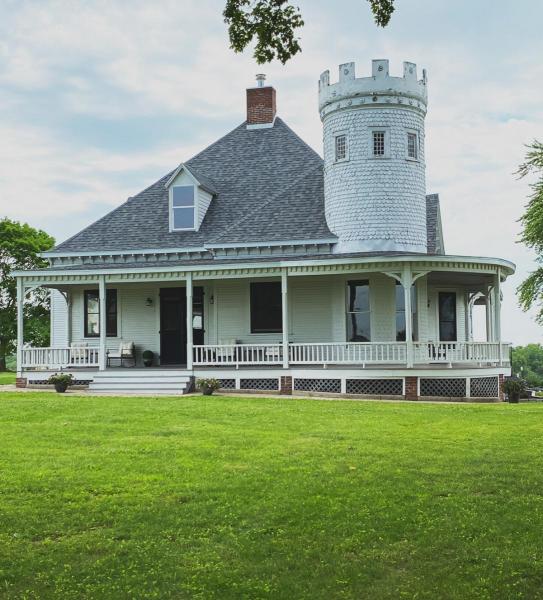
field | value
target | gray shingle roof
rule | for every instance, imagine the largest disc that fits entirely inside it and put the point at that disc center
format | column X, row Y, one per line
column 268, row 186
column 270, row 169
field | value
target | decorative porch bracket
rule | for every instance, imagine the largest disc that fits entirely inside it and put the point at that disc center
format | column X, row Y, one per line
column 407, row 278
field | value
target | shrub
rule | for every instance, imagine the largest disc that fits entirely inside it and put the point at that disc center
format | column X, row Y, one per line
column 208, row 386
column 514, row 388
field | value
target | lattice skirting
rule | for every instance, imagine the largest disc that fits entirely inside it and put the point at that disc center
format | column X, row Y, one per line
column 228, row 384
column 484, row 387
column 259, row 384
column 375, row 387
column 331, row 386
column 443, row 388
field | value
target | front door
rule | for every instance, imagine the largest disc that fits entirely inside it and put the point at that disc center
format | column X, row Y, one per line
column 447, row 316
column 173, row 326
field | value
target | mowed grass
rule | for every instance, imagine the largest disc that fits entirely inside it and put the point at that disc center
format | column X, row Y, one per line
column 223, row 498
column 7, row 378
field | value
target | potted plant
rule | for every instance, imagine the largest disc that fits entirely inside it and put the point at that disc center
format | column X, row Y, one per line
column 514, row 388
column 148, row 358
column 61, row 381
column 208, row 386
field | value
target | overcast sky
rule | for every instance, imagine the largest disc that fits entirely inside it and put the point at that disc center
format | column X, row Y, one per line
column 100, row 99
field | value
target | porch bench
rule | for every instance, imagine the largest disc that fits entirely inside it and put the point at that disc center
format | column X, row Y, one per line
column 126, row 352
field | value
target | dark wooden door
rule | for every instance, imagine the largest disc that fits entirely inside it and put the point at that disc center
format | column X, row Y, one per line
column 447, row 316
column 173, row 326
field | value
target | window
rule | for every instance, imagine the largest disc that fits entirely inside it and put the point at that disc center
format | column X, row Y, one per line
column 266, row 307
column 378, row 143
column 92, row 313
column 358, row 311
column 341, row 147
column 183, row 207
column 447, row 316
column 412, row 145
column 400, row 313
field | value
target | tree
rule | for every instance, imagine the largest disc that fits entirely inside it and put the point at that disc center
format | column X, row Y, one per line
column 530, row 290
column 274, row 23
column 527, row 362
column 20, row 246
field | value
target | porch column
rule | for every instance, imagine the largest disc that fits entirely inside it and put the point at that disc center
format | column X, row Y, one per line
column 20, row 325
column 407, row 283
column 488, row 314
column 189, row 320
column 69, row 313
column 497, row 312
column 284, row 305
column 103, row 323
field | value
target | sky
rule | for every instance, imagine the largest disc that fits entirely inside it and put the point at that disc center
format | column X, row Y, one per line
column 99, row 99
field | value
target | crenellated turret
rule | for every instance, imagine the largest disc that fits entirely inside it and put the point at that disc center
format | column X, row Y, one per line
column 375, row 190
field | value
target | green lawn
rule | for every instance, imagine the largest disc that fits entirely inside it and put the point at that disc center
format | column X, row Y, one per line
column 7, row 377
column 261, row 498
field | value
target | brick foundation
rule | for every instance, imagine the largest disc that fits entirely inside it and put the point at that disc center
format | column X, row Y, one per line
column 501, row 396
column 21, row 382
column 411, row 392
column 285, row 387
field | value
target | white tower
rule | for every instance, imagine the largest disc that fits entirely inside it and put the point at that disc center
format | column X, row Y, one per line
column 374, row 170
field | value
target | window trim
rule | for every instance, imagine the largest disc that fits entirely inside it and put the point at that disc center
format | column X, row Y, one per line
column 266, row 331
column 109, row 294
column 337, row 135
column 386, row 131
column 194, row 207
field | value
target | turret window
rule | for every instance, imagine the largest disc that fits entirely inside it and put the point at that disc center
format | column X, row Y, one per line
column 341, row 147
column 378, row 143
column 412, row 145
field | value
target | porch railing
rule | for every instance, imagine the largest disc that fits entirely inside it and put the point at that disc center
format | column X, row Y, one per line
column 59, row 358
column 333, row 353
column 348, row 353
column 238, row 354
column 460, row 352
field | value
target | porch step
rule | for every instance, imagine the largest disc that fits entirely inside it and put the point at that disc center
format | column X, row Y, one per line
column 141, row 381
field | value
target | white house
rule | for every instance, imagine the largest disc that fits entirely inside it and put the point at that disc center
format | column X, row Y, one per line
column 269, row 268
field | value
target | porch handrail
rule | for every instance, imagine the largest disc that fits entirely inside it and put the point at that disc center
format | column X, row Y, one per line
column 59, row 358
column 348, row 353
column 460, row 352
column 238, row 354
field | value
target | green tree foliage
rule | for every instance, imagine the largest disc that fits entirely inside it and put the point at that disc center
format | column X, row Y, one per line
column 273, row 23
column 20, row 246
column 531, row 289
column 528, row 363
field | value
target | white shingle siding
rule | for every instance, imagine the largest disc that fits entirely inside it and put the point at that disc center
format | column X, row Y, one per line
column 375, row 203
column 59, row 320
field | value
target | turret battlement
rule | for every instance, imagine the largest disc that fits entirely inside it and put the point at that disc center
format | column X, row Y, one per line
column 380, row 88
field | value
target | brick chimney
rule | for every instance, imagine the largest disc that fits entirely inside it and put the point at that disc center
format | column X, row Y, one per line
column 261, row 106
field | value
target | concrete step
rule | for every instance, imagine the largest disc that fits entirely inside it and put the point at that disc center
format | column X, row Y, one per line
column 128, row 385
column 144, row 380
column 148, row 374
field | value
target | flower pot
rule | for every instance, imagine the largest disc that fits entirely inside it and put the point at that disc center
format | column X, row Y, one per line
column 61, row 387
column 514, row 398
column 148, row 362
column 206, row 391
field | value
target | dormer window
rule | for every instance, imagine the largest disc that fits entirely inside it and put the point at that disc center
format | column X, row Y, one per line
column 189, row 196
column 183, row 207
